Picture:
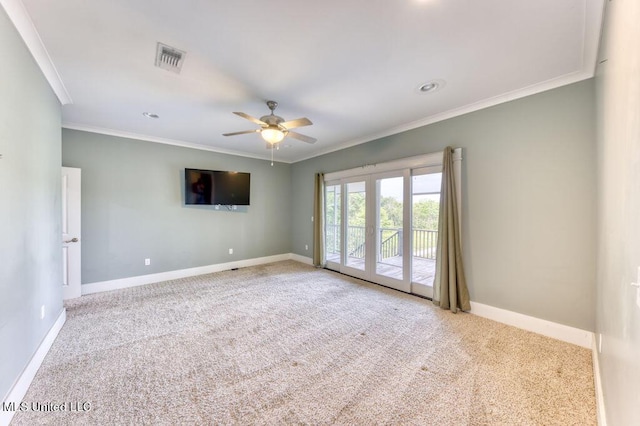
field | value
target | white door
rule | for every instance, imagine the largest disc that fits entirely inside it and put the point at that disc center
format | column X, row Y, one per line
column 366, row 221
column 425, row 209
column 356, row 229
column 392, row 242
column 383, row 226
column 71, row 280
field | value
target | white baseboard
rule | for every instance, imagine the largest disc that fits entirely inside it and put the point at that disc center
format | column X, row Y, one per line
column 302, row 259
column 602, row 418
column 554, row 330
column 565, row 333
column 117, row 284
column 21, row 386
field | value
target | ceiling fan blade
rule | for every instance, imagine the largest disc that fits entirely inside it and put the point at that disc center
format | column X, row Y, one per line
column 244, row 132
column 250, row 118
column 298, row 122
column 301, row 137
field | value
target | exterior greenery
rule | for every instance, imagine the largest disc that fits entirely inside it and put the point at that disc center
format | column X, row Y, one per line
column 425, row 218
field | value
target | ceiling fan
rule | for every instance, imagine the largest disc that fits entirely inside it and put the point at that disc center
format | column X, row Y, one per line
column 274, row 129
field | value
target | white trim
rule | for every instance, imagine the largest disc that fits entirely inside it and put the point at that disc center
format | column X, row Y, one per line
column 422, row 290
column 425, row 160
column 21, row 385
column 554, row 330
column 98, row 287
column 593, row 20
column 457, row 176
column 165, row 141
column 302, row 259
column 23, row 23
column 597, row 381
column 466, row 109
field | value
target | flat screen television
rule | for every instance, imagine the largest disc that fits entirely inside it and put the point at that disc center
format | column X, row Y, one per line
column 211, row 187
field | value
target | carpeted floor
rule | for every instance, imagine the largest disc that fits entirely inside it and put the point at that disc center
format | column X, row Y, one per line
column 286, row 343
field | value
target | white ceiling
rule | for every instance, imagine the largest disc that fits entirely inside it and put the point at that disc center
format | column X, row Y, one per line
column 352, row 66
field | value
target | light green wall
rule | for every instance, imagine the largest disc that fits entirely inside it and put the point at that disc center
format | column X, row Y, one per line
column 528, row 203
column 133, row 208
column 30, row 221
column 618, row 117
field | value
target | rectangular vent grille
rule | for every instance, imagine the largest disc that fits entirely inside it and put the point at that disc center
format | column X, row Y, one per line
column 169, row 58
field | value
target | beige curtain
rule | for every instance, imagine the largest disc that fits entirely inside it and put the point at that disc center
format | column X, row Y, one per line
column 449, row 286
column 318, row 222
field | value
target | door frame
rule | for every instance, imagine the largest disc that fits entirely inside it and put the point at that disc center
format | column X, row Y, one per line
column 418, row 163
column 71, row 179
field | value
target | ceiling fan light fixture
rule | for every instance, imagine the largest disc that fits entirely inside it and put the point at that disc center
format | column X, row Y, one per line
column 272, row 134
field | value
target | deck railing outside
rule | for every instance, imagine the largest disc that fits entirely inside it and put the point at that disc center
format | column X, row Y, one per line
column 424, row 242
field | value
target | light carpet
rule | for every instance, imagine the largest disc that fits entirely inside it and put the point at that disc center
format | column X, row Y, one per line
column 286, row 343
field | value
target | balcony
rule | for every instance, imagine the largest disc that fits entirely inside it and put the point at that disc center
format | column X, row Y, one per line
column 390, row 253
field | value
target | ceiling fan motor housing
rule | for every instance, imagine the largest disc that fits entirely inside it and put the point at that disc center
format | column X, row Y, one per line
column 272, row 120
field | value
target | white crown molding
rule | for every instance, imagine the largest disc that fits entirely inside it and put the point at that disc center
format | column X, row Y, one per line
column 485, row 103
column 165, row 141
column 19, row 389
column 592, row 28
column 22, row 21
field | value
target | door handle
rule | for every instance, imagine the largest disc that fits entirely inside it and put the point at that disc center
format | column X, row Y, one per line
column 73, row 240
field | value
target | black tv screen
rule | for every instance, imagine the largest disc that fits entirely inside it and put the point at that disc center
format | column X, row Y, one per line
column 216, row 187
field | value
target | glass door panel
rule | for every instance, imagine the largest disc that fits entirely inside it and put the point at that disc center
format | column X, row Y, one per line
column 355, row 221
column 383, row 227
column 425, row 208
column 390, row 227
column 333, row 224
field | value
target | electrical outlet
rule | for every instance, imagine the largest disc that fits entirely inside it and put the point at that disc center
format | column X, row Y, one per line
column 147, row 262
column 230, row 251
column 235, row 207
column 217, row 207
column 42, row 312
column 306, row 246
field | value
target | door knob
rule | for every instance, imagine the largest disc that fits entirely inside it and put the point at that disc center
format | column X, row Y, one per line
column 73, row 240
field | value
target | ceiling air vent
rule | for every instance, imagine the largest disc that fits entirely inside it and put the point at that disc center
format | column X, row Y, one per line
column 169, row 58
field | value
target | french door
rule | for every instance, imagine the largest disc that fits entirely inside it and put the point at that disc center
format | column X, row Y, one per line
column 368, row 228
